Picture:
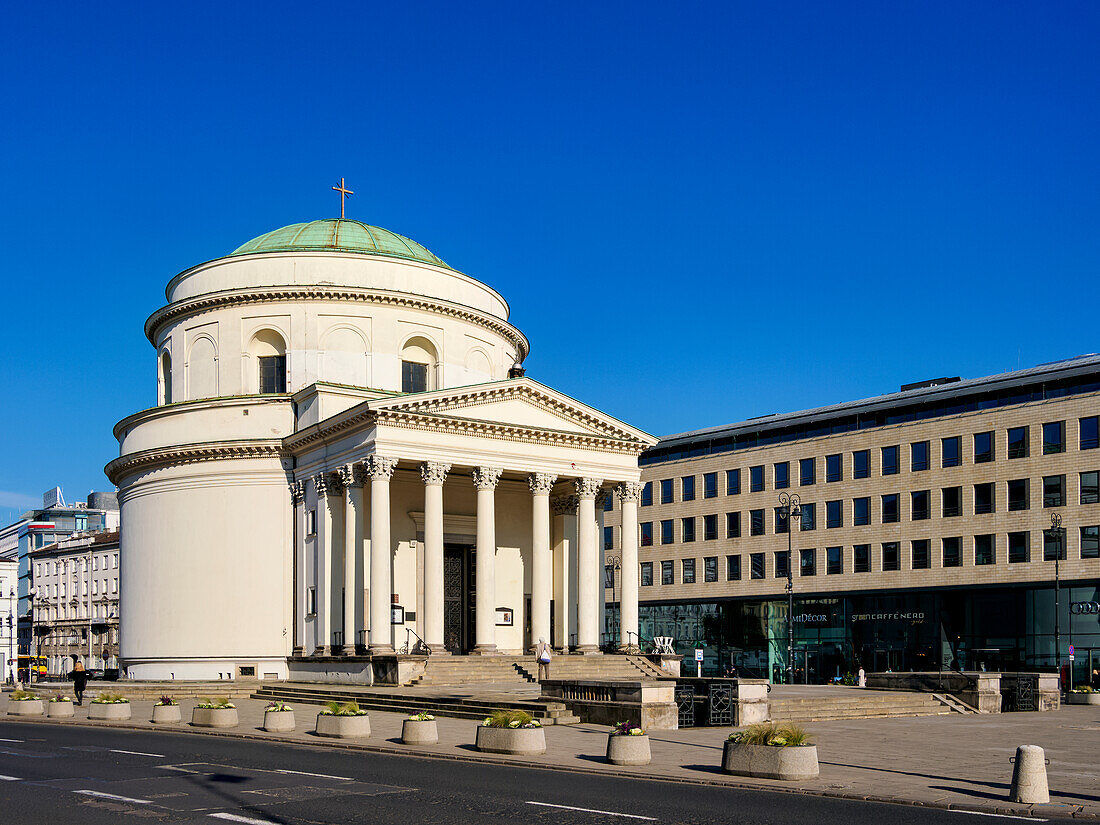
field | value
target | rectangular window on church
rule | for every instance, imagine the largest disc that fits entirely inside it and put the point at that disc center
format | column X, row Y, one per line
column 414, row 377
column 311, row 522
column 272, row 373
column 311, row 601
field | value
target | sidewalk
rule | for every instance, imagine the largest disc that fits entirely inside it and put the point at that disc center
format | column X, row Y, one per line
column 941, row 761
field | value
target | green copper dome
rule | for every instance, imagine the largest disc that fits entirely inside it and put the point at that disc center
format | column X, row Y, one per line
column 339, row 235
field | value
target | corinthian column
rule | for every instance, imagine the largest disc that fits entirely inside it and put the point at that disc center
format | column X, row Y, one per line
column 380, row 471
column 353, row 540
column 485, row 480
column 434, row 475
column 540, row 484
column 628, row 493
column 588, row 582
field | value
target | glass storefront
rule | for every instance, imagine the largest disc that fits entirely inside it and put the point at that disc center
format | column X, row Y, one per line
column 995, row 629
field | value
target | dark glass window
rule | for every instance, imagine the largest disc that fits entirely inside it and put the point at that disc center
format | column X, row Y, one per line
column 273, row 374
column 1017, row 442
column 834, row 513
column 1054, row 491
column 1054, row 544
column 781, row 520
column 1089, row 429
column 666, row 491
column 710, row 527
column 984, row 550
column 1019, row 548
column 666, row 531
column 782, row 475
column 861, row 464
column 687, row 488
column 983, row 448
column 733, row 482
column 756, row 565
column 952, row 501
column 952, row 552
column 688, row 567
column 710, row 485
column 891, row 556
column 609, row 538
column 807, row 471
column 890, row 508
column 920, row 555
column 808, row 520
column 952, row 452
column 687, row 529
column 647, row 533
column 919, row 504
column 984, row 498
column 834, row 467
column 807, row 562
column 1054, row 437
column 647, row 574
column 733, row 568
column 1090, row 487
column 756, row 478
column 861, row 511
column 647, row 494
column 889, row 461
column 782, row 564
column 733, row 525
column 710, row 569
column 414, row 377
column 756, row 522
column 834, row 560
column 861, row 558
column 666, row 572
column 1018, row 494
column 1090, row 542
column 918, row 456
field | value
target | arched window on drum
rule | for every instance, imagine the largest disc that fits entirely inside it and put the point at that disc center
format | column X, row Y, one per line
column 419, row 364
column 268, row 349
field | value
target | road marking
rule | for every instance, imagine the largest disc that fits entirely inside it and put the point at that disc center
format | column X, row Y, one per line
column 11, row 740
column 1001, row 816
column 137, row 753
column 245, row 819
column 9, row 778
column 592, row 811
column 102, row 795
column 320, row 775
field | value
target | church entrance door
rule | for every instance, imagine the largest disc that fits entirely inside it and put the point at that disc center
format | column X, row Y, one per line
column 459, row 597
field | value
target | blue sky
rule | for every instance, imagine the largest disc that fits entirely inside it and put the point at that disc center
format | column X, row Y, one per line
column 699, row 212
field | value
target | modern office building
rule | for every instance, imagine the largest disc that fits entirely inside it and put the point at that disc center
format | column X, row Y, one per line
column 929, row 524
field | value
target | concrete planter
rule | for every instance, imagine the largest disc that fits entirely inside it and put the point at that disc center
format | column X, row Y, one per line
column 343, row 727
column 769, row 761
column 418, row 732
column 623, row 749
column 59, row 710
column 112, row 712
column 27, row 707
column 1084, row 699
column 523, row 741
column 278, row 720
column 214, row 717
column 167, row 714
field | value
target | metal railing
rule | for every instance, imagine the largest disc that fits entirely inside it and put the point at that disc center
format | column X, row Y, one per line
column 419, row 649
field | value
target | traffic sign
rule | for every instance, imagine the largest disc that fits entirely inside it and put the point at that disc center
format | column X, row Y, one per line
column 698, row 655
column 1071, row 650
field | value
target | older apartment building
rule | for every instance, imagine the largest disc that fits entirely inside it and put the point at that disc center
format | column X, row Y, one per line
column 924, row 536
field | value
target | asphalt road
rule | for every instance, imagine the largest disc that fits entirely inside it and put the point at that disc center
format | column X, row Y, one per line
column 54, row 774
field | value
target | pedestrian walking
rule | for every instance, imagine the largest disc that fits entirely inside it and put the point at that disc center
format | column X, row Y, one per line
column 80, row 678
column 542, row 656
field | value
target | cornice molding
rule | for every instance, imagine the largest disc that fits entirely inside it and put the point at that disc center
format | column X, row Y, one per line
column 192, row 453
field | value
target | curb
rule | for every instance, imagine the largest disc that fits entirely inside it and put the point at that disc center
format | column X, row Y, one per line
column 1000, row 810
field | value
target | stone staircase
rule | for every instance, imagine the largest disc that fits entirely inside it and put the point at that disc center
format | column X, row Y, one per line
column 865, row 705
column 464, row 670
column 411, row 701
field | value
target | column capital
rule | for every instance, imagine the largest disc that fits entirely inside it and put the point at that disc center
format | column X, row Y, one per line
column 297, row 492
column 380, row 468
column 324, row 484
column 564, row 505
column 588, row 487
column 629, row 491
column 541, row 483
column 433, row 473
column 486, row 478
column 350, row 476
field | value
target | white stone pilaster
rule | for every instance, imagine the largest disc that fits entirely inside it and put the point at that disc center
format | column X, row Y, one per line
column 298, row 501
column 353, row 543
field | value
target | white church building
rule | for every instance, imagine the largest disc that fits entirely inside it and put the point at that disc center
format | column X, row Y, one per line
column 346, row 461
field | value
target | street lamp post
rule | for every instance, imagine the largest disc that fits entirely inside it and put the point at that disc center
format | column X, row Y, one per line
column 30, row 647
column 790, row 506
column 1055, row 534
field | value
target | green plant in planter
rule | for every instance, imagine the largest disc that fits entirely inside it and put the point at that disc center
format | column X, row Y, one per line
column 626, row 729
column 60, row 698
column 423, row 716
column 110, row 699
column 1084, row 689
column 219, row 703
column 166, row 701
column 346, row 709
column 849, row 680
column 278, row 707
column 785, row 735
column 22, row 696
column 511, row 719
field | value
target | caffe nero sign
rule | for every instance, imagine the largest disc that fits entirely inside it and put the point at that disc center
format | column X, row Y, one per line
column 912, row 617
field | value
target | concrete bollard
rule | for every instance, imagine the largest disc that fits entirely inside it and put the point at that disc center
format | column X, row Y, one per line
column 1029, row 776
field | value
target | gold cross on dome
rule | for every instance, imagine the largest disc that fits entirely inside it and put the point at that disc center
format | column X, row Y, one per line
column 344, row 192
